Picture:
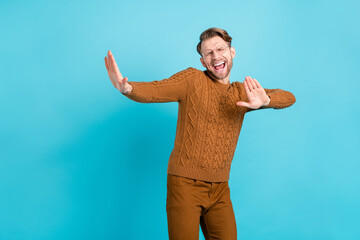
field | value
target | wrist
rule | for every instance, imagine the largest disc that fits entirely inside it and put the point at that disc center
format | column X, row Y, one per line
column 267, row 102
column 127, row 89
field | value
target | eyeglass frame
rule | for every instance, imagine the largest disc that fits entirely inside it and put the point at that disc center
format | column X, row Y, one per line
column 208, row 54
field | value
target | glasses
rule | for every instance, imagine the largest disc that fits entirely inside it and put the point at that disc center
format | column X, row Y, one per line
column 220, row 50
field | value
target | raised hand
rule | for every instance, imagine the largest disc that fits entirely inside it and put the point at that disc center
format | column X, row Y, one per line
column 115, row 76
column 256, row 94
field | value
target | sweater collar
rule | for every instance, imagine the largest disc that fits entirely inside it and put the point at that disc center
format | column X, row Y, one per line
column 217, row 83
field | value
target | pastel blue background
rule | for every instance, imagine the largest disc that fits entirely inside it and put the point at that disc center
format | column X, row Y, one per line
column 80, row 161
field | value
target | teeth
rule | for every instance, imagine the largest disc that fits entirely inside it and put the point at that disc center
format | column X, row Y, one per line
column 218, row 64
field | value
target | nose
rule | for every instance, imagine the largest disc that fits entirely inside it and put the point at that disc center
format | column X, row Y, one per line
column 216, row 55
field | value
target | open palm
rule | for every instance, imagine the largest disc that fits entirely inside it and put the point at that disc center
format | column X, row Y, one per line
column 115, row 76
column 255, row 93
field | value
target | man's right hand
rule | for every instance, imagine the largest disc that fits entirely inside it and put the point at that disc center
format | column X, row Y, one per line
column 115, row 76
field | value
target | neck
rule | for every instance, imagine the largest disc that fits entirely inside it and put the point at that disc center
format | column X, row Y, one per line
column 224, row 80
column 220, row 80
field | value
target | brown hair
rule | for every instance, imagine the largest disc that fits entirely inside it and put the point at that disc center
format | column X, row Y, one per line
column 213, row 32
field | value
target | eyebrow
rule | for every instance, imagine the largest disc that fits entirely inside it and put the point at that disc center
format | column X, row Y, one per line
column 207, row 50
column 217, row 47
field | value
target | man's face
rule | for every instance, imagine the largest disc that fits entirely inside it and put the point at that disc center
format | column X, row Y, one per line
column 217, row 57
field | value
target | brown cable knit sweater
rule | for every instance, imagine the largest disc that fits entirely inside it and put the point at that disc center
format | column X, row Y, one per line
column 209, row 121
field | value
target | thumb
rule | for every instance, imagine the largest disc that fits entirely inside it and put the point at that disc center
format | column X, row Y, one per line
column 243, row 104
column 124, row 80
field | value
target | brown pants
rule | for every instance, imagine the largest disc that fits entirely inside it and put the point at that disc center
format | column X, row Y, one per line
column 191, row 203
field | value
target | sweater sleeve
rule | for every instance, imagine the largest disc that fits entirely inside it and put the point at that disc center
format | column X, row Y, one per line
column 278, row 98
column 172, row 89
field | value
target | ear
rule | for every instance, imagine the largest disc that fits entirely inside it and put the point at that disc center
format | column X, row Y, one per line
column 232, row 52
column 202, row 62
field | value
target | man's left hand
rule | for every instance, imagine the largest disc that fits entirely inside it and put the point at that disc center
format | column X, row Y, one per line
column 255, row 93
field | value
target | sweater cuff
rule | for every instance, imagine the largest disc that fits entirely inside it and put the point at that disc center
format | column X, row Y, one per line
column 273, row 100
column 132, row 93
column 279, row 99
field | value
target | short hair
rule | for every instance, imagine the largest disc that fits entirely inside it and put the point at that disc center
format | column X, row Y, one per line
column 213, row 32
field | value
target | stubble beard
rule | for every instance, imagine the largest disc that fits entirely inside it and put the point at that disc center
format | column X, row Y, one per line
column 229, row 65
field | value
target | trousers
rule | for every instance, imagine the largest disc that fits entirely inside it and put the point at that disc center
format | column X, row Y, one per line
column 191, row 203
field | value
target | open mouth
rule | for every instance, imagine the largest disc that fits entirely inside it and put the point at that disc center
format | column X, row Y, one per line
column 219, row 66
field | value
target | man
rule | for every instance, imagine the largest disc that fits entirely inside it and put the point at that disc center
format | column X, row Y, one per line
column 210, row 115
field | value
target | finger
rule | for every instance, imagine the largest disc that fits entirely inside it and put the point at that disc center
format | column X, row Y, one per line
column 252, row 83
column 124, row 80
column 247, row 79
column 247, row 89
column 115, row 67
column 243, row 104
column 106, row 64
column 257, row 83
column 249, row 83
column 108, row 67
column 111, row 61
column 109, row 53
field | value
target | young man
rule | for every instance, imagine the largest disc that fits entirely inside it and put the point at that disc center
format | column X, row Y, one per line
column 210, row 115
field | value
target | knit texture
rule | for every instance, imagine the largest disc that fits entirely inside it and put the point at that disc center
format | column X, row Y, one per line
column 209, row 121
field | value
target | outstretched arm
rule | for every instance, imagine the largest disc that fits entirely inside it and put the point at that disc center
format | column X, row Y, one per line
column 115, row 76
column 259, row 98
column 172, row 89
